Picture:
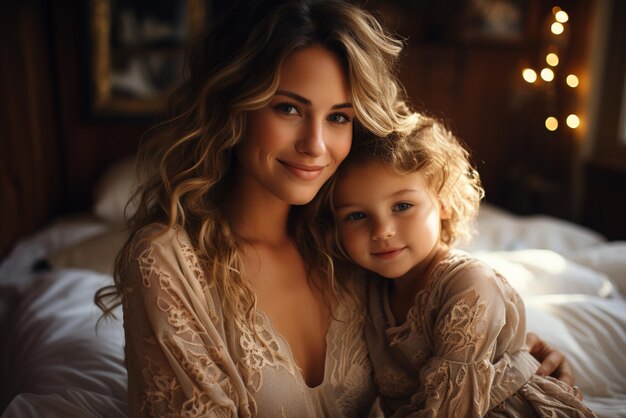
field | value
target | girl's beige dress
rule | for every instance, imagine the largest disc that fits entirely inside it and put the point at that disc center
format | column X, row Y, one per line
column 184, row 358
column 461, row 352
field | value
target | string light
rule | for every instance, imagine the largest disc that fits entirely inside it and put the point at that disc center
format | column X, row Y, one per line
column 557, row 28
column 552, row 59
column 573, row 121
column 547, row 74
column 572, row 80
column 551, row 123
column 530, row 76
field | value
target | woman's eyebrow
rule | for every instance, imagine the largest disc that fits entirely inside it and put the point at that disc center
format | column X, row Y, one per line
column 307, row 102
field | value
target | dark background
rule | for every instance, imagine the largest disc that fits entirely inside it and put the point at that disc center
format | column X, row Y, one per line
column 54, row 147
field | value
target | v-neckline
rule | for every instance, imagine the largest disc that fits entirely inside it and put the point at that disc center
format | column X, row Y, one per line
column 297, row 370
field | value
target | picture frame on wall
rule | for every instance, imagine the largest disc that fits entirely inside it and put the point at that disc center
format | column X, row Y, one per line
column 137, row 53
column 495, row 21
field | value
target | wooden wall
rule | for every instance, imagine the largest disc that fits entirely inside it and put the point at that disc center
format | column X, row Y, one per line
column 52, row 148
column 30, row 171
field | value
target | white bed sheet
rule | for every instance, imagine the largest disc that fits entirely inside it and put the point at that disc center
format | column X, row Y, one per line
column 54, row 364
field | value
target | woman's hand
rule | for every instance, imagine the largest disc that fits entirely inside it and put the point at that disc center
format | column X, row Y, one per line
column 553, row 361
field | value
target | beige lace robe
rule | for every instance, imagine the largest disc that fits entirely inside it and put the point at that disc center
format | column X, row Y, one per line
column 184, row 358
column 461, row 352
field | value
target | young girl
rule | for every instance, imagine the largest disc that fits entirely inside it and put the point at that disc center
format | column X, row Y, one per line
column 446, row 332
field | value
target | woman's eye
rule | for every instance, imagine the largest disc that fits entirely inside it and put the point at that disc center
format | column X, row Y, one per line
column 400, row 207
column 355, row 216
column 339, row 118
column 286, row 108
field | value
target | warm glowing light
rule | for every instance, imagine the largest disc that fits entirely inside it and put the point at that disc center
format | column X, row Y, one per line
column 555, row 10
column 552, row 59
column 573, row 121
column 552, row 123
column 529, row 75
column 557, row 28
column 572, row 80
column 561, row 16
column 547, row 74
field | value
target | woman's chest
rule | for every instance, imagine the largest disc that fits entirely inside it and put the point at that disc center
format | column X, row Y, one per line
column 346, row 388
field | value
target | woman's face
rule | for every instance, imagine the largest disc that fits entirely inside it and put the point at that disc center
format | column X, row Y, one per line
column 295, row 143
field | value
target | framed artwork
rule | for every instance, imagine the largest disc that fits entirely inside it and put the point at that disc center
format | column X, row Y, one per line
column 137, row 51
column 494, row 21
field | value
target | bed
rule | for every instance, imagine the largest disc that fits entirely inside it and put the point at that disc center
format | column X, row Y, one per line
column 55, row 364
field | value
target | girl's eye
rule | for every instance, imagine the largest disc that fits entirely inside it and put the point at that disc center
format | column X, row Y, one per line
column 355, row 216
column 339, row 118
column 401, row 207
column 286, row 108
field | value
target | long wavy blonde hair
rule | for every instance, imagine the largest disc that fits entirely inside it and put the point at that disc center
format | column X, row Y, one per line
column 232, row 69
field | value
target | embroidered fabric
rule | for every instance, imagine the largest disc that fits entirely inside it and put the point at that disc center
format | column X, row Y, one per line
column 461, row 351
column 184, row 358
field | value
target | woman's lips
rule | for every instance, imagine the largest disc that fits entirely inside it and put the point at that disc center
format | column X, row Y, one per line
column 388, row 253
column 303, row 171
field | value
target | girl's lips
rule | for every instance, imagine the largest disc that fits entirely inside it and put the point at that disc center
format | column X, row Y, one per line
column 388, row 254
column 303, row 171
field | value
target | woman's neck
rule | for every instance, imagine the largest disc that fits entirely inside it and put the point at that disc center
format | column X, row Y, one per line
column 256, row 215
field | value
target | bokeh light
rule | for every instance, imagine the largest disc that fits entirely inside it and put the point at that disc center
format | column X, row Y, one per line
column 551, row 123
column 557, row 28
column 572, row 80
column 529, row 75
column 573, row 121
column 547, row 74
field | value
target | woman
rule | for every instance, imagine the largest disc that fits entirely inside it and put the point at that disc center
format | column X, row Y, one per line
column 230, row 309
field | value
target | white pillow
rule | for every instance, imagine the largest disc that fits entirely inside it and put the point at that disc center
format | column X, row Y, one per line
column 499, row 230
column 592, row 333
column 543, row 272
column 114, row 190
column 608, row 258
column 55, row 356
column 96, row 253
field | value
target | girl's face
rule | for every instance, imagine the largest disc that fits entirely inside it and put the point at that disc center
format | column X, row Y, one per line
column 389, row 222
column 295, row 143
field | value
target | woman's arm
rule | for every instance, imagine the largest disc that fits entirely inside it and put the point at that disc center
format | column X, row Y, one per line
column 177, row 360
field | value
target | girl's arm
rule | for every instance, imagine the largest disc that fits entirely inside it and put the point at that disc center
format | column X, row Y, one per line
column 475, row 319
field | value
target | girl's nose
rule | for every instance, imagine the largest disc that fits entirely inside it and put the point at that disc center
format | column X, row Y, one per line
column 312, row 141
column 383, row 230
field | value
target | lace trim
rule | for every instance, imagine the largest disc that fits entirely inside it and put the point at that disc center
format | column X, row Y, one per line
column 352, row 369
column 459, row 326
column 203, row 364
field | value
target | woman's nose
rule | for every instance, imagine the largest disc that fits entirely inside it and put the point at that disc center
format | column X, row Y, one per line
column 383, row 230
column 312, row 141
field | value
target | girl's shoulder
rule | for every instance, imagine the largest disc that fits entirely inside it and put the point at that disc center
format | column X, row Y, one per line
column 457, row 261
column 459, row 271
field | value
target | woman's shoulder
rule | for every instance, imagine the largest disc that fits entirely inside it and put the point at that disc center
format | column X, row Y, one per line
column 158, row 236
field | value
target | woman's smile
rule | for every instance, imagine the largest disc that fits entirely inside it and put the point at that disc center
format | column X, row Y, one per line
column 303, row 171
